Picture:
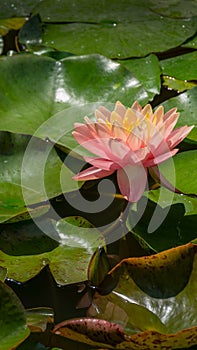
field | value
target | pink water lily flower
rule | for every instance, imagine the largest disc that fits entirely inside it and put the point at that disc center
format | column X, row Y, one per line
column 129, row 141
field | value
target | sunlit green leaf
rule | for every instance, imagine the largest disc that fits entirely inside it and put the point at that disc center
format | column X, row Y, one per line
column 30, row 175
column 119, row 38
column 146, row 70
column 175, row 67
column 11, row 23
column 12, row 319
column 35, row 88
column 175, row 84
column 185, row 167
column 186, row 105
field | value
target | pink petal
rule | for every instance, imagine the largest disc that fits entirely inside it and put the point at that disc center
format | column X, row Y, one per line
column 102, row 130
column 132, row 181
column 119, row 132
column 135, row 141
column 92, row 173
column 119, row 150
column 86, row 130
column 120, row 109
column 101, row 163
column 169, row 113
column 178, row 135
column 100, row 147
column 170, row 123
column 160, row 158
column 105, row 112
column 136, row 106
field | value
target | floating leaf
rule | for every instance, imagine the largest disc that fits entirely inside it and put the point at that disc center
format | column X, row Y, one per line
column 45, row 180
column 77, row 244
column 175, row 67
column 185, row 167
column 160, row 228
column 146, row 70
column 11, row 23
column 31, row 32
column 35, row 88
column 38, row 318
column 12, row 319
column 175, row 8
column 3, row 273
column 133, row 39
column 163, row 285
column 175, row 84
column 186, row 105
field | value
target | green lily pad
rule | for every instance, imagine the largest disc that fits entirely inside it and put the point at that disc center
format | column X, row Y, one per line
column 175, row 8
column 133, row 39
column 35, row 88
column 164, row 198
column 175, row 67
column 176, row 84
column 192, row 43
column 38, row 318
column 77, row 244
column 11, row 23
column 158, row 229
column 45, row 180
column 146, row 70
column 26, row 238
column 185, row 167
column 3, row 273
column 12, row 319
column 187, row 106
column 162, row 285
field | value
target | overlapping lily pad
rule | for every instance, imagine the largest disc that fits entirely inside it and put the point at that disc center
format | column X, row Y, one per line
column 175, row 67
column 132, row 39
column 77, row 242
column 39, row 177
column 186, row 105
column 160, row 285
column 35, row 88
column 12, row 319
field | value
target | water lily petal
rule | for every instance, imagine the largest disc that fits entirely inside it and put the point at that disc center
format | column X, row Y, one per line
column 101, row 163
column 92, row 173
column 119, row 132
column 105, row 112
column 100, row 147
column 132, row 181
column 178, row 135
column 120, row 109
column 119, row 150
column 160, row 158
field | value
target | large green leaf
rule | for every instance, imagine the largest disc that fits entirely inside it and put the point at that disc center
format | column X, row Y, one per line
column 185, row 167
column 161, row 287
column 158, row 228
column 124, row 39
column 12, row 319
column 175, row 8
column 35, row 172
column 146, row 70
column 37, row 87
column 175, row 67
column 78, row 240
column 186, row 105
